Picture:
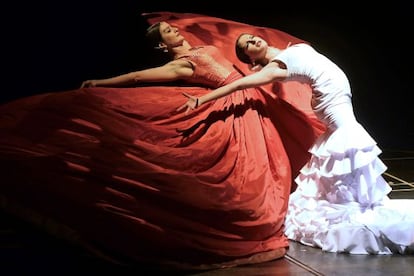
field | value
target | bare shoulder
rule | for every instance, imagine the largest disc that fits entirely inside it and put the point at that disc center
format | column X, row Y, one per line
column 181, row 63
column 181, row 67
column 277, row 63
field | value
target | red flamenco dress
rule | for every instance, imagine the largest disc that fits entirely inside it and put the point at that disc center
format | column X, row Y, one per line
column 122, row 173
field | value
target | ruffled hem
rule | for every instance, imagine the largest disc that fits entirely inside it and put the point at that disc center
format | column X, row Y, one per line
column 383, row 229
column 344, row 167
column 341, row 202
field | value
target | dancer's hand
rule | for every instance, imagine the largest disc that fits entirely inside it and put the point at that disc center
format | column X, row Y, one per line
column 191, row 104
column 89, row 83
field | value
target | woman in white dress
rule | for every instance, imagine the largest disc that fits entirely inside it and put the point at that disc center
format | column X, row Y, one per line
column 341, row 203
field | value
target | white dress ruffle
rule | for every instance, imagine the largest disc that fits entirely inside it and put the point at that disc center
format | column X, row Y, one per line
column 341, row 202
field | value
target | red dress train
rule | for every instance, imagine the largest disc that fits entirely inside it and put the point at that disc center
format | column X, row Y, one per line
column 121, row 172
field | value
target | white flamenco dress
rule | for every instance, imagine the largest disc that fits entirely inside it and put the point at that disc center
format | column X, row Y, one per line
column 341, row 202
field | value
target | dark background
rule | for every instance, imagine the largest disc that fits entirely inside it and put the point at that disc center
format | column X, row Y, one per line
column 52, row 46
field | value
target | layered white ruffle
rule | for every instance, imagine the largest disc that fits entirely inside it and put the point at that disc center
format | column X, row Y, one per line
column 341, row 202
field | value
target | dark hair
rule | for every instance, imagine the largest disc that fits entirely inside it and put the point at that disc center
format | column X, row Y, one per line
column 153, row 34
column 241, row 55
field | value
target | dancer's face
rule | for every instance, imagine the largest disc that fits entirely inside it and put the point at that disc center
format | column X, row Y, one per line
column 170, row 35
column 253, row 46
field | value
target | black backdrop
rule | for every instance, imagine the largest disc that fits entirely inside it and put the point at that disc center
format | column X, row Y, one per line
column 52, row 46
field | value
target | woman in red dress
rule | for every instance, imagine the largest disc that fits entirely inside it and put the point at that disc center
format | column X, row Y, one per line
column 121, row 172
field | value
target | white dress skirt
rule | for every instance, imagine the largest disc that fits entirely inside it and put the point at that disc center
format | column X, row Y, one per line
column 341, row 203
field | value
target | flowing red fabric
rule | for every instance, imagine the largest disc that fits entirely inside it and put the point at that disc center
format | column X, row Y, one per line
column 299, row 127
column 121, row 171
